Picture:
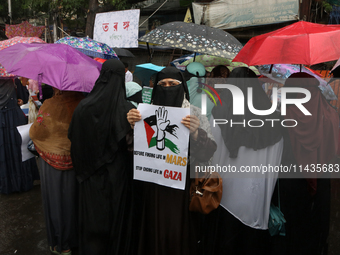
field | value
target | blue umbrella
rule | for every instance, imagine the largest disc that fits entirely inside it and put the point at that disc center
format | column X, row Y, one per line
column 89, row 47
column 144, row 72
column 177, row 62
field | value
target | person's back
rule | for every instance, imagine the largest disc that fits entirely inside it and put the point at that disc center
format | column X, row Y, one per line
column 98, row 133
column 58, row 182
column 15, row 175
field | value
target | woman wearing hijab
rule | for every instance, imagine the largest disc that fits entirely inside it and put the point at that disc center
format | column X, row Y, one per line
column 220, row 71
column 238, row 225
column 167, row 225
column 99, row 148
column 195, row 76
column 15, row 175
column 133, row 93
column 305, row 201
column 58, row 181
column 22, row 91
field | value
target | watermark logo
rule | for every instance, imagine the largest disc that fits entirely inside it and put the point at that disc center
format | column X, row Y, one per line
column 238, row 100
column 204, row 96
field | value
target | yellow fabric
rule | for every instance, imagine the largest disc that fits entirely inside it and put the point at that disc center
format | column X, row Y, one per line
column 188, row 18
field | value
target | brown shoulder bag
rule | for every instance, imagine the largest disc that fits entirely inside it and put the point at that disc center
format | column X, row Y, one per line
column 205, row 193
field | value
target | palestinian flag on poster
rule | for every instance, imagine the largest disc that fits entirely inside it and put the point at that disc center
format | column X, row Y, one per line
column 150, row 125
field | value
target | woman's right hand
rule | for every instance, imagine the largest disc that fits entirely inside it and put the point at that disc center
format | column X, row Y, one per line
column 133, row 116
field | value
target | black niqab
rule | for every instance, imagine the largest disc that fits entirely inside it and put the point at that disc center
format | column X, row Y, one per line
column 99, row 122
column 22, row 91
column 173, row 95
column 237, row 135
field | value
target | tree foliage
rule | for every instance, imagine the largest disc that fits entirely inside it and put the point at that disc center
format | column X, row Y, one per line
column 76, row 14
column 24, row 10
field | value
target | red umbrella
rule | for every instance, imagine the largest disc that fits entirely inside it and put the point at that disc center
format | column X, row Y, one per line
column 100, row 60
column 300, row 43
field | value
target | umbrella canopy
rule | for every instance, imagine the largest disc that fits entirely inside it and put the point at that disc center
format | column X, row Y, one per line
column 280, row 72
column 18, row 39
column 89, row 47
column 300, row 43
column 100, row 60
column 178, row 61
column 208, row 61
column 4, row 73
column 145, row 71
column 24, row 29
column 123, row 53
column 58, row 65
column 196, row 38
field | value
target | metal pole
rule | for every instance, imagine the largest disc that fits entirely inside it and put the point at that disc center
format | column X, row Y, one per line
column 10, row 11
column 45, row 30
column 55, row 30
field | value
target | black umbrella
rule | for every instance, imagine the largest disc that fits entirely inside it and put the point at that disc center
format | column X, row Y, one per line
column 196, row 38
column 123, row 52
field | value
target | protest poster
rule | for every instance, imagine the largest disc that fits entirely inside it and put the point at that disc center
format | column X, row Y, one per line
column 24, row 132
column 161, row 144
column 146, row 95
column 117, row 29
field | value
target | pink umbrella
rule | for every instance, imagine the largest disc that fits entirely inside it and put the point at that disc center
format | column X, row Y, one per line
column 18, row 39
column 58, row 65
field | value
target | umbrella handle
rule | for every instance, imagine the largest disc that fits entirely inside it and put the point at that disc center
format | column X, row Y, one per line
column 39, row 85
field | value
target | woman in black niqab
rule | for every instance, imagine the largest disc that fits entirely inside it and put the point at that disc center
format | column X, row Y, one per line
column 237, row 135
column 173, row 95
column 168, row 227
column 99, row 151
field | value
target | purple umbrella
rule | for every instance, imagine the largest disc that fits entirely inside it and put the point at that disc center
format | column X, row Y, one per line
column 58, row 65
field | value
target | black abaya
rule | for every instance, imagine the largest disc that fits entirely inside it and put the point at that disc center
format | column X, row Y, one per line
column 168, row 227
column 100, row 156
column 106, row 208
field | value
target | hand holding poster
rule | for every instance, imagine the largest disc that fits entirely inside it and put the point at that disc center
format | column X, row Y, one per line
column 161, row 144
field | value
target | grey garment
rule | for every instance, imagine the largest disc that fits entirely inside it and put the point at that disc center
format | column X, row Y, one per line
column 7, row 91
column 59, row 191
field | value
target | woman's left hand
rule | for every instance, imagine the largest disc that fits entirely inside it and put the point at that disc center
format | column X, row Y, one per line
column 193, row 123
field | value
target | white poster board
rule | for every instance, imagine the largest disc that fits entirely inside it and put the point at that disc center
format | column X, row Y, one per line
column 25, row 137
column 164, row 161
column 117, row 29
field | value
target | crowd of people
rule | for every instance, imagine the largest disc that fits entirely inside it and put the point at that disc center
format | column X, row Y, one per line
column 92, row 203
